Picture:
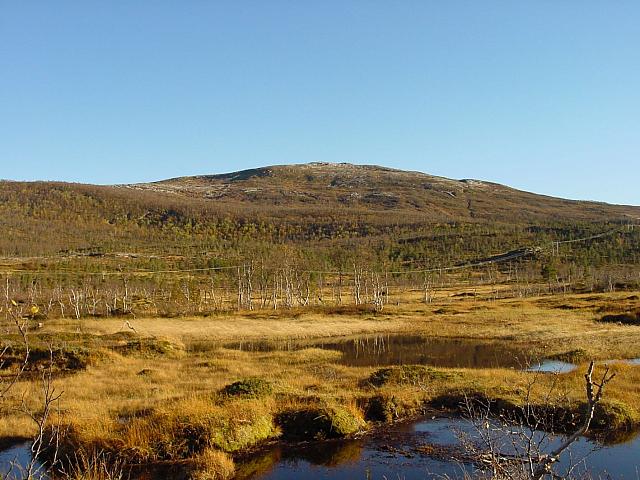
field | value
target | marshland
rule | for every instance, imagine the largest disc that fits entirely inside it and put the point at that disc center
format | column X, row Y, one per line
column 222, row 393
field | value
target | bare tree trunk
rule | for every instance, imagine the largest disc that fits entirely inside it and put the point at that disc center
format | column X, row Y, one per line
column 357, row 285
column 594, row 395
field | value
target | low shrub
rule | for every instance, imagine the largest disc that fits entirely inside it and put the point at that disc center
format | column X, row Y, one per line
column 148, row 348
column 613, row 416
column 319, row 423
column 61, row 360
column 249, row 387
column 382, row 408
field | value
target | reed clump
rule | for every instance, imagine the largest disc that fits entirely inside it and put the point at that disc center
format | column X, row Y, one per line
column 212, row 464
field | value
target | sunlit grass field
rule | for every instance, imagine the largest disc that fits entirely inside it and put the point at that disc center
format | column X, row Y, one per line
column 156, row 393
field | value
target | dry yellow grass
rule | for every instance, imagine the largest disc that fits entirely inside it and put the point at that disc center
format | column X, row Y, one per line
column 549, row 320
column 131, row 401
column 237, row 327
column 213, row 465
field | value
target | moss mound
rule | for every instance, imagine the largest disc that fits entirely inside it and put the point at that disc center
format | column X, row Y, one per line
column 61, row 360
column 416, row 375
column 319, row 423
column 229, row 428
column 610, row 415
column 387, row 406
column 249, row 387
column 148, row 348
column 383, row 408
column 233, row 434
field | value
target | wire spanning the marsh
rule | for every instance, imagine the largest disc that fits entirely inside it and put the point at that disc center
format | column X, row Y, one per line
column 496, row 258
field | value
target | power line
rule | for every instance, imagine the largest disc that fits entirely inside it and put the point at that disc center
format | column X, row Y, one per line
column 497, row 258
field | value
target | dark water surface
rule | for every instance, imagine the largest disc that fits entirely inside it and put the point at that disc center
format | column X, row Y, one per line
column 382, row 350
column 390, row 454
column 402, row 349
column 14, row 461
column 425, row 449
column 399, row 453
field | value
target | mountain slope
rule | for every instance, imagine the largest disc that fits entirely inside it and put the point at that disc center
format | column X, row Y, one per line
column 363, row 188
column 317, row 205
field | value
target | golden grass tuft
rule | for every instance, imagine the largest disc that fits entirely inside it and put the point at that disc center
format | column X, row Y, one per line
column 97, row 466
column 212, row 465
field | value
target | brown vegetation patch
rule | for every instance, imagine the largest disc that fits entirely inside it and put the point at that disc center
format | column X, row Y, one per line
column 249, row 387
column 414, row 375
column 59, row 361
column 572, row 356
column 625, row 318
column 388, row 407
column 319, row 423
column 610, row 417
column 148, row 347
column 212, row 465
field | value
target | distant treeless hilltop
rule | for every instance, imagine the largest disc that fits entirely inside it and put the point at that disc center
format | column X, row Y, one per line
column 356, row 189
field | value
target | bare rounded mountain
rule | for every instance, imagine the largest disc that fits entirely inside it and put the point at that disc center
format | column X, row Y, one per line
column 310, row 202
column 365, row 189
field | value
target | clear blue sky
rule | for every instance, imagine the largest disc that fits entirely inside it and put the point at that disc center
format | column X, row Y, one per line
column 541, row 95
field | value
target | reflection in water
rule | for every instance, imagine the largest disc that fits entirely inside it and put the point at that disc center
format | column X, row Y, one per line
column 328, row 454
column 382, row 350
column 258, row 465
column 552, row 366
column 400, row 349
column 557, row 366
column 410, row 451
column 398, row 452
column 384, row 456
column 14, row 461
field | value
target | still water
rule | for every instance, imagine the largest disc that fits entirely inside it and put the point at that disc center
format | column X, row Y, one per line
column 426, row 449
column 14, row 462
column 552, row 366
column 399, row 349
column 423, row 450
column 382, row 350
